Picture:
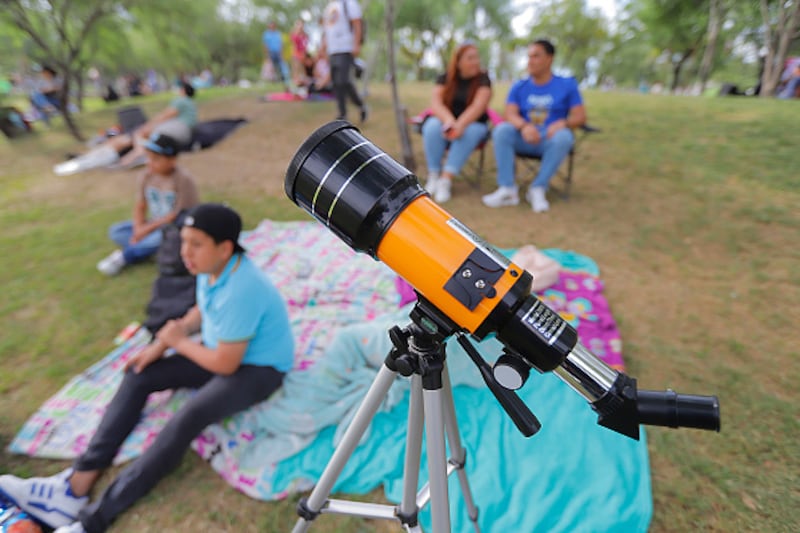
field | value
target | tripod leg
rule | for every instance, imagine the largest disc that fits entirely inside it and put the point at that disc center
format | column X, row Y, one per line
column 437, row 467
column 409, row 506
column 311, row 507
column 458, row 454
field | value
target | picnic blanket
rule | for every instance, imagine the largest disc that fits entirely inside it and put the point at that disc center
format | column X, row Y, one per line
column 296, row 97
column 572, row 475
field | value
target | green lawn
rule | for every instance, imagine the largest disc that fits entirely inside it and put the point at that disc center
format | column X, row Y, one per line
column 690, row 206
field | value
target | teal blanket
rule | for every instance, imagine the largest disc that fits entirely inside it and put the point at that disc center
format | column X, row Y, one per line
column 572, row 475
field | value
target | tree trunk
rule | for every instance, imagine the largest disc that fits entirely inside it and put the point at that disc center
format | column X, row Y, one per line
column 64, row 100
column 777, row 43
column 676, row 69
column 714, row 24
column 399, row 111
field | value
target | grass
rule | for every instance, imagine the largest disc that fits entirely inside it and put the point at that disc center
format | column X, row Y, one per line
column 690, row 206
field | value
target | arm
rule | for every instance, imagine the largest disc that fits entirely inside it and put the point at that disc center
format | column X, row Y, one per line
column 476, row 109
column 438, row 107
column 575, row 119
column 528, row 131
column 224, row 359
column 356, row 37
column 165, row 115
column 190, row 323
column 139, row 219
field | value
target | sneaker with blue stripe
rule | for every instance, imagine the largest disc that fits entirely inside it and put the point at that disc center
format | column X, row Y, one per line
column 48, row 499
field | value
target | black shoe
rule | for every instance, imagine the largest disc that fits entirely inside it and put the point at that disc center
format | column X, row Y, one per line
column 364, row 113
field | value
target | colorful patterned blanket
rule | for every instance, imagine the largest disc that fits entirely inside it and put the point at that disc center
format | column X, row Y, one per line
column 341, row 304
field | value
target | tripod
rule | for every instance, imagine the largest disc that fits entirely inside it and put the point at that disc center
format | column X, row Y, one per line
column 418, row 352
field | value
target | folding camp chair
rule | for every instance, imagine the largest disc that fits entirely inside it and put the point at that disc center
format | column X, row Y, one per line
column 474, row 171
column 130, row 118
column 532, row 162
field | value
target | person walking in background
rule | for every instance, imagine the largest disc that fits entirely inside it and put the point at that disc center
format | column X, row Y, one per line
column 341, row 43
column 245, row 350
column 164, row 191
column 458, row 121
column 299, row 39
column 273, row 50
column 540, row 113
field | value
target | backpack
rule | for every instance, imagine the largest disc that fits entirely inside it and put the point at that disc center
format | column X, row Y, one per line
column 363, row 23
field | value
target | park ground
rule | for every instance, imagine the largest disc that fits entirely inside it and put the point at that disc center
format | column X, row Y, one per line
column 690, row 207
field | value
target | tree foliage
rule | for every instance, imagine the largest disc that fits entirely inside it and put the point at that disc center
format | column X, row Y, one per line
column 578, row 32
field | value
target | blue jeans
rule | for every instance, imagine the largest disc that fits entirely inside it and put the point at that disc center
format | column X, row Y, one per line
column 45, row 105
column 508, row 142
column 121, row 233
column 280, row 67
column 458, row 151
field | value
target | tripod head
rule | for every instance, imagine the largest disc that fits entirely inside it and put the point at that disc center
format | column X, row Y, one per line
column 377, row 206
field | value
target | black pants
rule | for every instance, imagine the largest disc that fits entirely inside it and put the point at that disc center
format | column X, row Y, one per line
column 216, row 398
column 343, row 86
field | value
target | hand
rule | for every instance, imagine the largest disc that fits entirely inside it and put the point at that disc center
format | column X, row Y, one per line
column 555, row 126
column 455, row 131
column 145, row 357
column 530, row 134
column 138, row 234
column 171, row 333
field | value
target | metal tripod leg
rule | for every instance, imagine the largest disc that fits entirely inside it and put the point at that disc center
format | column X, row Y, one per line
column 457, row 458
column 319, row 496
column 436, row 408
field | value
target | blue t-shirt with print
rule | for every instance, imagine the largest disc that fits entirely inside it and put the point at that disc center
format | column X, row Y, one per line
column 542, row 105
column 244, row 305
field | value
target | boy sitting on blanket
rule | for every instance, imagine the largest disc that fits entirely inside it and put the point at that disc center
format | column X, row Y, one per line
column 164, row 191
column 246, row 349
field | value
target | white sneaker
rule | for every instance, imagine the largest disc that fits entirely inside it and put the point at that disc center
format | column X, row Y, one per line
column 442, row 193
column 536, row 196
column 503, row 196
column 75, row 527
column 47, row 499
column 113, row 264
column 430, row 185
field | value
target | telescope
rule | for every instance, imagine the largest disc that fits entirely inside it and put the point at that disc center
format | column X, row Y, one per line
column 465, row 286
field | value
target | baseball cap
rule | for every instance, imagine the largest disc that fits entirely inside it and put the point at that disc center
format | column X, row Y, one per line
column 162, row 144
column 219, row 221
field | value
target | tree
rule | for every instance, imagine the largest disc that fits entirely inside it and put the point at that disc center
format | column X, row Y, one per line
column 781, row 21
column 677, row 27
column 716, row 14
column 60, row 31
column 578, row 32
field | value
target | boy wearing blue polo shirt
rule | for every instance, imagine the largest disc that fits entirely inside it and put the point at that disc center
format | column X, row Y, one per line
column 246, row 349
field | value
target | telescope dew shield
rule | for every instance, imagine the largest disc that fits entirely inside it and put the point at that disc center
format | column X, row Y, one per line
column 377, row 206
column 350, row 185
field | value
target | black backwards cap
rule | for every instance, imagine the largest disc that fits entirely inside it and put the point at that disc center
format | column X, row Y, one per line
column 162, row 144
column 219, row 221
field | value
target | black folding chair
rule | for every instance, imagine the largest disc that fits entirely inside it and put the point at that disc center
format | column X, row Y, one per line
column 130, row 118
column 532, row 162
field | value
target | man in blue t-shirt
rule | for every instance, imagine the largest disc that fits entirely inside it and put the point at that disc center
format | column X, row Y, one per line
column 247, row 347
column 273, row 50
column 541, row 112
